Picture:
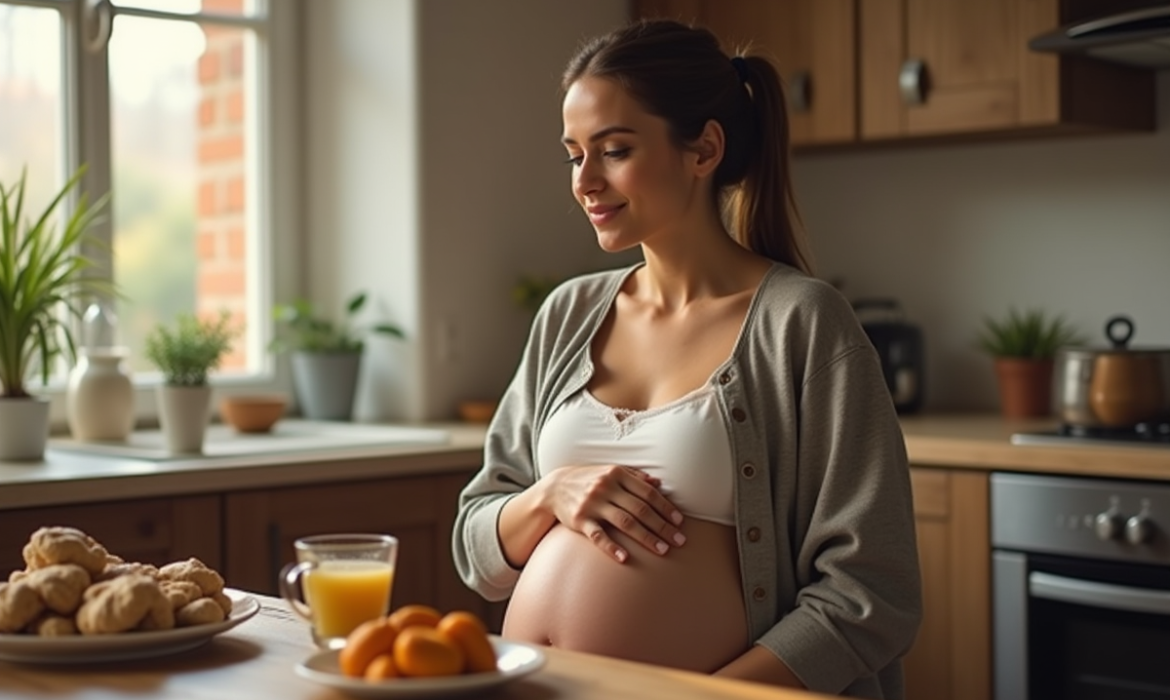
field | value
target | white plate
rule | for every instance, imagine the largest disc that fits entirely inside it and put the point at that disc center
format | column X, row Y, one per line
column 120, row 647
column 512, row 659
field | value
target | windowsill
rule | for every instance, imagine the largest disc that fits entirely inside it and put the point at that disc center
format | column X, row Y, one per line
column 145, row 390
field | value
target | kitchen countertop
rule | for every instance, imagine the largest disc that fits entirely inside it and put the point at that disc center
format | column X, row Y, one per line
column 983, row 441
column 256, row 660
column 964, row 441
column 70, row 473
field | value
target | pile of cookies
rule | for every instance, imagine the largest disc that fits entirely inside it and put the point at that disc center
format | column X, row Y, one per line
column 72, row 585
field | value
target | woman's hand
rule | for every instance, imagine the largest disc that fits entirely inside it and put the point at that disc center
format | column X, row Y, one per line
column 587, row 499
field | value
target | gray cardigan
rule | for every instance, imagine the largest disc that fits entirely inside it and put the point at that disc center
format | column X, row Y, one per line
column 830, row 574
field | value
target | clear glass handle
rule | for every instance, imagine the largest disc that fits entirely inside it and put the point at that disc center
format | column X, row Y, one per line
column 290, row 587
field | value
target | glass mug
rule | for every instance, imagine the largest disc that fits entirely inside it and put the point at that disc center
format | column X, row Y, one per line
column 346, row 580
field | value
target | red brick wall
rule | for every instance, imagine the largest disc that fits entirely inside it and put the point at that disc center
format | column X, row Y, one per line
column 222, row 199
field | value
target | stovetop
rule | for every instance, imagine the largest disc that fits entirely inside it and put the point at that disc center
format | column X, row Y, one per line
column 1141, row 435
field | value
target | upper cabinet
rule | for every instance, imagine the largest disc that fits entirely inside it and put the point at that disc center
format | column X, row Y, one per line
column 886, row 71
column 812, row 43
column 949, row 67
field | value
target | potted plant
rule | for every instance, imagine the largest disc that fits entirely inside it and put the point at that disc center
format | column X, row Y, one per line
column 326, row 355
column 185, row 354
column 1024, row 346
column 44, row 278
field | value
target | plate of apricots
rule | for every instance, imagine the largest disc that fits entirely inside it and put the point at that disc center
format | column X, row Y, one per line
column 418, row 652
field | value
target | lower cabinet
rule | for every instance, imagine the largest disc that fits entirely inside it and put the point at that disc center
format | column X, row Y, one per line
column 261, row 527
column 951, row 657
column 248, row 535
column 154, row 531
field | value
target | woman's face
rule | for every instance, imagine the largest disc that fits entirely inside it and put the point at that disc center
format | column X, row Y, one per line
column 628, row 176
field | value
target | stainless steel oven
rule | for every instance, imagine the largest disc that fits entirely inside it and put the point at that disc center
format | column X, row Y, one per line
column 1081, row 588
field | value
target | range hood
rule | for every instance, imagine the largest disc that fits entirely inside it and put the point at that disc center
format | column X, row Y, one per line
column 1137, row 38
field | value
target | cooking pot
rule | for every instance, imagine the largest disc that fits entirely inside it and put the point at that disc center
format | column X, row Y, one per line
column 1115, row 387
column 899, row 346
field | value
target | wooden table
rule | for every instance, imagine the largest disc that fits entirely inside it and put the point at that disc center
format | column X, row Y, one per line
column 255, row 660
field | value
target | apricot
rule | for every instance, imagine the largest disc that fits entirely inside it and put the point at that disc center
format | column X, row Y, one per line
column 470, row 634
column 422, row 651
column 411, row 615
column 381, row 668
column 368, row 640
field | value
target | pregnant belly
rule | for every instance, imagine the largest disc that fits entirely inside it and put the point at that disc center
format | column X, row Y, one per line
column 683, row 610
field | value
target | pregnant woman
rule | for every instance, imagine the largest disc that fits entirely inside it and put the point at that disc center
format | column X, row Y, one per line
column 697, row 463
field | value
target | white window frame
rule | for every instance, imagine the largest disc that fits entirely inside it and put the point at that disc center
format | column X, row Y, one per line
column 273, row 252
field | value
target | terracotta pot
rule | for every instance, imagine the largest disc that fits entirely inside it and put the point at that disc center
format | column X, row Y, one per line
column 1025, row 386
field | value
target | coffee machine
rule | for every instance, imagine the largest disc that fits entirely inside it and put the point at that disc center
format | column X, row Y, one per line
column 899, row 345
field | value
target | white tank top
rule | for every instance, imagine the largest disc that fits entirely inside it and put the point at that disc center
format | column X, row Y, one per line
column 684, row 443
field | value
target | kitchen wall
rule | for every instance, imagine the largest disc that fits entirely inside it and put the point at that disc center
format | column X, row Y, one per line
column 1079, row 226
column 434, row 178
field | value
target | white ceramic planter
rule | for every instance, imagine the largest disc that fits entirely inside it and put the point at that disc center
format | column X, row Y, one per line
column 183, row 412
column 24, row 429
column 99, row 401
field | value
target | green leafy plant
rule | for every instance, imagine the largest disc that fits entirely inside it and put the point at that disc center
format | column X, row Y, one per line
column 44, row 280
column 530, row 291
column 304, row 329
column 1030, row 334
column 188, row 351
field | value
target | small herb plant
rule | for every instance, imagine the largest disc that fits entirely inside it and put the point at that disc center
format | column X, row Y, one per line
column 44, row 278
column 188, row 351
column 530, row 291
column 1030, row 334
column 306, row 331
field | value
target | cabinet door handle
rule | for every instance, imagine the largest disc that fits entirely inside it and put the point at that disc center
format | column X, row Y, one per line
column 800, row 92
column 912, row 81
column 147, row 528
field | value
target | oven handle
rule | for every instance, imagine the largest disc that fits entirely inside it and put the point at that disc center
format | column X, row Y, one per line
column 1098, row 595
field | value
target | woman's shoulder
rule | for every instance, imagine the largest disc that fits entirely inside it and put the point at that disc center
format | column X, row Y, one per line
column 578, row 301
column 592, row 283
column 804, row 315
column 585, row 291
column 788, row 291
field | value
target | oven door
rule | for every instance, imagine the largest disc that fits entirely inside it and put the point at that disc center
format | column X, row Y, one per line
column 1077, row 629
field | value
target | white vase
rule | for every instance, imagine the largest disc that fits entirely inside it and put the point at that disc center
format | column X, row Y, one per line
column 24, row 428
column 184, row 412
column 99, row 400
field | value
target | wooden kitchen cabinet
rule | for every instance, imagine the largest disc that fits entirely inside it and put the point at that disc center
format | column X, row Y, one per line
column 951, row 657
column 811, row 42
column 155, row 531
column 979, row 77
column 262, row 525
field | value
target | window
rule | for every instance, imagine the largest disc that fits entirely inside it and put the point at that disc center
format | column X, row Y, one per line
column 172, row 105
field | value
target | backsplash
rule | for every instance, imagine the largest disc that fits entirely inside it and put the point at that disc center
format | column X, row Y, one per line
column 1079, row 226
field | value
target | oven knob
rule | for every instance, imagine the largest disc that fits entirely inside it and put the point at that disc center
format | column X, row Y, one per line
column 1109, row 525
column 1138, row 529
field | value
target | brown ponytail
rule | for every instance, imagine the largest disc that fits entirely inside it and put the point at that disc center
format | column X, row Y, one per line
column 680, row 74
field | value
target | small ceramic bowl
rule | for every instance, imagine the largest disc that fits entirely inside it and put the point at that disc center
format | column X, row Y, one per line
column 252, row 413
column 477, row 411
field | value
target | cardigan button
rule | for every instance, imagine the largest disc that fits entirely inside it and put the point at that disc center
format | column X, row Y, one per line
column 738, row 415
column 725, row 378
column 759, row 593
column 753, row 534
column 749, row 470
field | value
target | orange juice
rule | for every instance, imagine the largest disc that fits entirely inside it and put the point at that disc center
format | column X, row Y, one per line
column 343, row 594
